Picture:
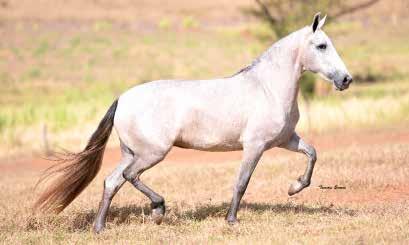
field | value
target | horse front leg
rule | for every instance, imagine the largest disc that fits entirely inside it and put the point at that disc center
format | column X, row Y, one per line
column 251, row 156
column 296, row 144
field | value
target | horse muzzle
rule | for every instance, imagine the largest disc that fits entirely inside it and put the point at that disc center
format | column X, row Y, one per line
column 344, row 83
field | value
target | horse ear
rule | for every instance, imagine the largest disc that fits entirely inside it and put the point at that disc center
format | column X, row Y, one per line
column 322, row 22
column 316, row 21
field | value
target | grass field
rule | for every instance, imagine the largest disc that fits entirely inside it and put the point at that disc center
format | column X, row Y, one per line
column 372, row 208
column 64, row 73
column 80, row 73
column 60, row 70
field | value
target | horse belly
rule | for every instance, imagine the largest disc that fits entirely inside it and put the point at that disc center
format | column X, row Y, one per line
column 210, row 135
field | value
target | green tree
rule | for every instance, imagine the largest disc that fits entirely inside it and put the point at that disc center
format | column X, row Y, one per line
column 284, row 16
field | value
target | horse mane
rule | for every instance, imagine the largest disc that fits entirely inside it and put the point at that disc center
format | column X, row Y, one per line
column 272, row 51
column 247, row 68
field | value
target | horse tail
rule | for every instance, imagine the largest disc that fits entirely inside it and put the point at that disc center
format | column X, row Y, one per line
column 75, row 170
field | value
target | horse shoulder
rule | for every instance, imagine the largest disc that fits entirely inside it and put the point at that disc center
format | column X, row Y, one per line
column 270, row 123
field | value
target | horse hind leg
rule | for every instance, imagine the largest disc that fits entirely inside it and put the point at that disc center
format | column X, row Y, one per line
column 132, row 174
column 112, row 184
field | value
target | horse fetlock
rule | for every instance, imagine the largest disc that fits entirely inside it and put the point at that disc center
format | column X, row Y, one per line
column 157, row 202
column 298, row 186
column 98, row 227
column 304, row 181
column 231, row 220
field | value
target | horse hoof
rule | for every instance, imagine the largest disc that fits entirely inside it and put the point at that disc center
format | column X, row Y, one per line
column 158, row 214
column 157, row 218
column 296, row 187
column 232, row 221
column 98, row 228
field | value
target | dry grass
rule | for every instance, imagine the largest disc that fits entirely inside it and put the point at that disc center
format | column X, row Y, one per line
column 362, row 106
column 134, row 12
column 372, row 209
column 63, row 67
column 144, row 11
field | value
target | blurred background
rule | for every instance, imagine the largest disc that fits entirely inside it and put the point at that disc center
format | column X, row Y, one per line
column 62, row 63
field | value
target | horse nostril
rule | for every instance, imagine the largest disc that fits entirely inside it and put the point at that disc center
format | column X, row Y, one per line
column 347, row 80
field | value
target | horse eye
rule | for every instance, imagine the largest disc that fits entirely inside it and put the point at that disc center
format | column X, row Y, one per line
column 322, row 46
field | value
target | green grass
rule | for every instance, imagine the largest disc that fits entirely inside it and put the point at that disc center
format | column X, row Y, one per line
column 59, row 109
column 67, row 80
column 366, row 105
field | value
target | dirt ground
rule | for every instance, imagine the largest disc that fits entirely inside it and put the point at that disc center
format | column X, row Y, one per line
column 323, row 143
column 370, row 164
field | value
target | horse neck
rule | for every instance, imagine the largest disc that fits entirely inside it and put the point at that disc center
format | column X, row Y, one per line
column 279, row 70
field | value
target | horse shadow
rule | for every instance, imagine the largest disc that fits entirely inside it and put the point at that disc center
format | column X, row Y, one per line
column 133, row 213
column 206, row 211
column 118, row 215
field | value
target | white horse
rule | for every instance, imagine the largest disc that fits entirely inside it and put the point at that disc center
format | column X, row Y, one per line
column 254, row 110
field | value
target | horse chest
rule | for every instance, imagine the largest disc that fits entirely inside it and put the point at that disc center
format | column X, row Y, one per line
column 274, row 127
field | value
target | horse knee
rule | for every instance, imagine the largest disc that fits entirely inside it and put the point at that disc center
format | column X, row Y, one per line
column 312, row 153
column 144, row 162
column 130, row 174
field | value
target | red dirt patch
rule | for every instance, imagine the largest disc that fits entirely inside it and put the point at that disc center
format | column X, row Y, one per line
column 393, row 193
column 322, row 142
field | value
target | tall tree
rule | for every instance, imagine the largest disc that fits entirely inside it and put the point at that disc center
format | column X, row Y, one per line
column 285, row 15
